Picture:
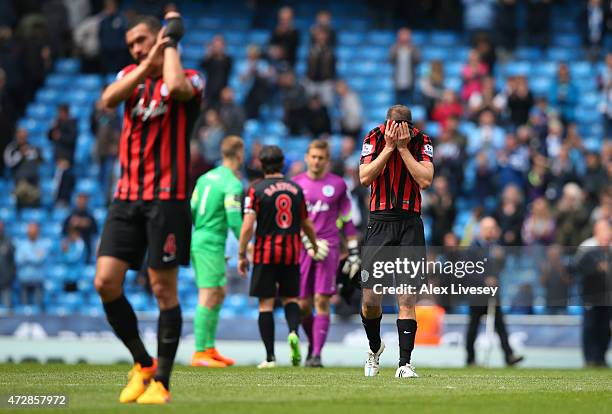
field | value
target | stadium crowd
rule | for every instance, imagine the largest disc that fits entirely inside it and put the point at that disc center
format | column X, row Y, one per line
column 523, row 161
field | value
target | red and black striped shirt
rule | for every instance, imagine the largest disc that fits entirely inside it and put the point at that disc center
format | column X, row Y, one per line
column 154, row 144
column 395, row 188
column 280, row 207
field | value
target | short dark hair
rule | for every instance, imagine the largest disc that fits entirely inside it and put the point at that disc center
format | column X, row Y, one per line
column 399, row 113
column 151, row 22
column 272, row 159
column 63, row 107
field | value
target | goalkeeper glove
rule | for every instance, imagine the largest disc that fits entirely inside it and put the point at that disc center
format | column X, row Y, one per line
column 353, row 261
column 174, row 30
column 322, row 248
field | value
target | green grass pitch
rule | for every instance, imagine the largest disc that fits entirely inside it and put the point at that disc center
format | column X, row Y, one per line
column 95, row 388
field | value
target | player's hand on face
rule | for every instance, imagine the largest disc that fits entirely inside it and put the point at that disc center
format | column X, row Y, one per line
column 391, row 133
column 403, row 135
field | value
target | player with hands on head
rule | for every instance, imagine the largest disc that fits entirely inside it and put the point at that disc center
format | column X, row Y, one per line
column 150, row 215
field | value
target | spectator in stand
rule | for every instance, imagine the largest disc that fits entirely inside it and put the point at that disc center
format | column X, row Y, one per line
column 506, row 25
column 31, row 256
column 317, row 118
column 256, row 82
column 448, row 107
column 351, row 112
column 605, row 86
column 510, row 216
column 286, row 36
column 105, row 124
column 563, row 94
column 485, row 49
column 539, row 226
column 23, row 159
column 478, row 16
column 324, row 21
column 540, row 116
column 538, row 21
column 58, row 23
column 441, row 208
column 321, row 71
column 486, row 99
column 538, row 178
column 81, row 220
column 36, row 56
column 572, row 216
column 563, row 171
column 404, row 56
column 217, row 66
column 197, row 164
column 7, row 117
column 63, row 133
column 484, row 185
column 347, row 151
column 594, row 179
column 488, row 136
column 295, row 103
column 603, row 211
column 209, row 133
column 87, row 43
column 432, row 86
column 556, row 280
column 449, row 159
column 73, row 248
column 111, row 33
column 11, row 62
column 593, row 25
column 473, row 74
column 513, row 162
column 231, row 114
column 520, row 102
column 7, row 264
column 554, row 139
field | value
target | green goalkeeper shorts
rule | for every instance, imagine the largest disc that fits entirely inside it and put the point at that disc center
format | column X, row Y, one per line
column 209, row 268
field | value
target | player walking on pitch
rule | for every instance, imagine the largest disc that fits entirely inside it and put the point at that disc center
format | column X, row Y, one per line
column 215, row 206
column 277, row 205
column 150, row 211
column 329, row 209
column 397, row 162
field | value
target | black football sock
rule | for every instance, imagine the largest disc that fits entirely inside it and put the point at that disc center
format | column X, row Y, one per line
column 406, row 331
column 169, row 326
column 372, row 328
column 266, row 330
column 122, row 319
column 292, row 314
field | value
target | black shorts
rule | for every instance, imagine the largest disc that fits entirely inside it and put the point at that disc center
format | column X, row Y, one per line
column 160, row 228
column 268, row 279
column 387, row 239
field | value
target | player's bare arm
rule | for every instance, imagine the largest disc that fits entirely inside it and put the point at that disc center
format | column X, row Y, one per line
column 246, row 234
column 422, row 171
column 369, row 172
column 178, row 85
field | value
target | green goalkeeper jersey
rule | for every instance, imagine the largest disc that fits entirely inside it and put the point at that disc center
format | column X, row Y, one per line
column 215, row 207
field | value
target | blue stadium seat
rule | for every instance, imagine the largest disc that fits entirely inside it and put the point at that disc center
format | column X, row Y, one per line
column 418, row 113
column 540, row 86
column 259, row 37
column 582, row 70
column 33, row 214
column 40, row 111
column 567, row 40
column 446, row 39
column 564, row 54
column 516, row 68
column 381, row 38
column 71, row 65
column 529, row 53
column 57, row 272
column 91, row 82
column 350, row 38
column 453, row 68
column 434, row 53
column 453, row 83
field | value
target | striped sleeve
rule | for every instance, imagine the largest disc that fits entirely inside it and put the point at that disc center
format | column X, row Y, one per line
column 368, row 149
column 250, row 202
column 425, row 151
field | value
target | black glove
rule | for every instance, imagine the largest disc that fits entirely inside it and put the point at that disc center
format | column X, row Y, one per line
column 174, row 30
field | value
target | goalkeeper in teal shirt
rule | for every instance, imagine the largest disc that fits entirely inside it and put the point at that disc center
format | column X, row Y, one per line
column 215, row 207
